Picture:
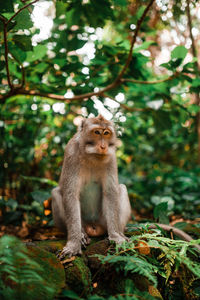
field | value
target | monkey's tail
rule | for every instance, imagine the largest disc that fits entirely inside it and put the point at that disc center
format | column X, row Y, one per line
column 180, row 233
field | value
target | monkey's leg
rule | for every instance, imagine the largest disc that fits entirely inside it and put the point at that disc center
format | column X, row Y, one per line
column 125, row 207
column 111, row 209
column 57, row 209
column 58, row 215
column 99, row 229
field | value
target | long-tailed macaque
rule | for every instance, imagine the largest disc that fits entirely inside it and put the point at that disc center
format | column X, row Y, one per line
column 89, row 201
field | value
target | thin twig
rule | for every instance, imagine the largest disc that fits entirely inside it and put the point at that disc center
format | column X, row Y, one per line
column 139, row 23
column 22, row 69
column 194, row 53
column 6, row 54
column 31, row 3
column 5, row 23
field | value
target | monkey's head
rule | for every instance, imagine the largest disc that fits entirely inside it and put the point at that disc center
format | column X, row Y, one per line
column 98, row 137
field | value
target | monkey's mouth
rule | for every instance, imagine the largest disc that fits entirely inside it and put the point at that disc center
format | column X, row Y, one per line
column 101, row 155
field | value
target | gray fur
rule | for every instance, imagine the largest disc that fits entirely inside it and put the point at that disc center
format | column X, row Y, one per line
column 88, row 188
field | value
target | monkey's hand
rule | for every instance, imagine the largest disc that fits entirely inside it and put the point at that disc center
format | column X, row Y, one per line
column 85, row 240
column 71, row 249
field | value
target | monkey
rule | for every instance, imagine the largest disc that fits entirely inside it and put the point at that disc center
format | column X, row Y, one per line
column 89, row 201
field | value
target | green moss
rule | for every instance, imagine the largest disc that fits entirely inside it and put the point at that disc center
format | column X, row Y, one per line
column 78, row 276
column 51, row 246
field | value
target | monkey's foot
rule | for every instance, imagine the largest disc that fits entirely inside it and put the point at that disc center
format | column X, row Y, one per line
column 118, row 238
column 71, row 249
column 125, row 237
column 85, row 240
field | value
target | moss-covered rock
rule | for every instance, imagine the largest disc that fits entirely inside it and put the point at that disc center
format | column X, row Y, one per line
column 51, row 271
column 78, row 276
column 80, row 270
column 100, row 247
column 51, row 246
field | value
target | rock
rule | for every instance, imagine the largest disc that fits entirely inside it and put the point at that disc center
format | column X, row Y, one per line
column 52, row 271
column 78, row 276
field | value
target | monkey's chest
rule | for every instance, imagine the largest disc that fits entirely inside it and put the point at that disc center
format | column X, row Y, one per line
column 91, row 201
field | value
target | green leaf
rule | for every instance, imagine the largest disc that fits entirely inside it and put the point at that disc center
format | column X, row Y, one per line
column 23, row 20
column 2, row 65
column 193, row 108
column 11, row 203
column 71, row 295
column 40, row 68
column 38, row 52
column 196, row 82
column 120, row 2
column 6, row 6
column 179, row 52
column 19, row 55
column 72, row 17
column 160, row 213
column 144, row 46
column 37, row 179
column 162, row 120
column 23, row 41
column 166, row 65
column 40, row 196
column 60, row 8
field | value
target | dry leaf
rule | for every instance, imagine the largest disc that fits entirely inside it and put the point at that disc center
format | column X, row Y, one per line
column 143, row 248
column 67, row 260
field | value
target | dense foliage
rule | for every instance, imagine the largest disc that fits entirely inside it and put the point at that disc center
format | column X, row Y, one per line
column 20, row 276
column 134, row 61
column 45, row 80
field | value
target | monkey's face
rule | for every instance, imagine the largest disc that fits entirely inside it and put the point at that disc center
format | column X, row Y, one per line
column 100, row 141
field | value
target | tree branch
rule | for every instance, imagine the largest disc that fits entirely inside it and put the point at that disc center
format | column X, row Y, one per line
column 139, row 23
column 194, row 53
column 114, row 84
column 6, row 54
column 5, row 23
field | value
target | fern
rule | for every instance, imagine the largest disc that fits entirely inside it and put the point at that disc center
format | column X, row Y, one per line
column 168, row 256
column 134, row 264
column 19, row 275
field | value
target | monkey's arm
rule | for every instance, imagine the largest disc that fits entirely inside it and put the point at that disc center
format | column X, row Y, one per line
column 71, row 205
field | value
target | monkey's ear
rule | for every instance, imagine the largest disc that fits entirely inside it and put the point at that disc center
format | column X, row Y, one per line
column 82, row 124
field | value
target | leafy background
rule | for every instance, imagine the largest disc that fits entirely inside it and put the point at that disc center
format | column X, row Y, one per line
column 45, row 81
column 136, row 62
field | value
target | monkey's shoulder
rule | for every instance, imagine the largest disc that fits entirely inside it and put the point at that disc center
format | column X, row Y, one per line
column 72, row 147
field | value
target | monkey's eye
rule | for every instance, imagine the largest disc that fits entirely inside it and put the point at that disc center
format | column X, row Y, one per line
column 97, row 132
column 89, row 143
column 106, row 132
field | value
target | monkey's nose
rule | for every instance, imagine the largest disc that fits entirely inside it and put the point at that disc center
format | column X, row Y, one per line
column 103, row 147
